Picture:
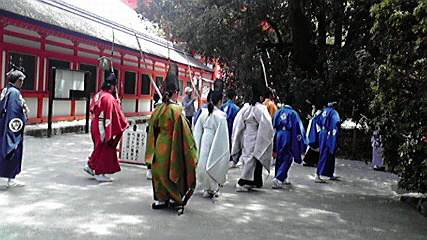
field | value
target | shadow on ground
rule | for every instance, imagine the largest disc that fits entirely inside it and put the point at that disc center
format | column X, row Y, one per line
column 60, row 201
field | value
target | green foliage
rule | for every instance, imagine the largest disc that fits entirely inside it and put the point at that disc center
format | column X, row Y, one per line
column 294, row 49
column 370, row 55
column 400, row 87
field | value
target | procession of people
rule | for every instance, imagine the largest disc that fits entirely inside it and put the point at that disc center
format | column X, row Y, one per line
column 188, row 151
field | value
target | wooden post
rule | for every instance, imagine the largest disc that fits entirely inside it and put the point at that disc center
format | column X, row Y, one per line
column 51, row 96
column 87, row 101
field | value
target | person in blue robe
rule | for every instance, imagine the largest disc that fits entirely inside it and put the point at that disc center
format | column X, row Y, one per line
column 329, row 124
column 197, row 115
column 291, row 141
column 12, row 123
column 231, row 109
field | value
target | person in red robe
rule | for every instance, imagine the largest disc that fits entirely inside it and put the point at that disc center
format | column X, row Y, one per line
column 108, row 125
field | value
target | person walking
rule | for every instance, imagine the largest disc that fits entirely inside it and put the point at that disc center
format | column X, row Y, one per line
column 108, row 125
column 290, row 143
column 252, row 140
column 211, row 135
column 329, row 124
column 171, row 149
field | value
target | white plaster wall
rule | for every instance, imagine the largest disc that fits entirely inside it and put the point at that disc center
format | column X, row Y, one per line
column 60, row 40
column 45, row 106
column 22, row 30
column 87, row 55
column 133, row 64
column 144, row 105
column 128, row 105
column 61, row 108
column 80, row 107
column 87, row 46
column 21, row 41
column 59, row 49
column 32, row 105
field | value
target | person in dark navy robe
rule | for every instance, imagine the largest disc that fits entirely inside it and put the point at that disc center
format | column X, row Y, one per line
column 329, row 124
column 12, row 123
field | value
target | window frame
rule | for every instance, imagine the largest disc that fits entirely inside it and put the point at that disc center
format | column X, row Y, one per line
column 7, row 69
column 135, row 90
column 96, row 75
column 149, row 84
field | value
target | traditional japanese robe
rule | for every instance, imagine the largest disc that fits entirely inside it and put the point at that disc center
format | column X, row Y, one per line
column 231, row 109
column 211, row 136
column 172, row 153
column 252, row 138
column 271, row 107
column 312, row 154
column 291, row 142
column 12, row 123
column 329, row 125
column 377, row 158
column 108, row 125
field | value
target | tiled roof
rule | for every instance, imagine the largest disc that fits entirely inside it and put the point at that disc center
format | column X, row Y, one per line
column 98, row 19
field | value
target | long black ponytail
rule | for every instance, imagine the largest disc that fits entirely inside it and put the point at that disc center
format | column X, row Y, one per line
column 215, row 97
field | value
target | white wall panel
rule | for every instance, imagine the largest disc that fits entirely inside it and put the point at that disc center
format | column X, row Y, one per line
column 144, row 105
column 61, row 108
column 59, row 49
column 32, row 105
column 21, row 41
column 80, row 107
column 128, row 105
column 22, row 30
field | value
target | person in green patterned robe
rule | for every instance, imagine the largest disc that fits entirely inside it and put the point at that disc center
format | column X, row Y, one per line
column 171, row 150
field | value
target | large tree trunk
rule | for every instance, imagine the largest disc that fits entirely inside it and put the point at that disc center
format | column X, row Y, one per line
column 304, row 52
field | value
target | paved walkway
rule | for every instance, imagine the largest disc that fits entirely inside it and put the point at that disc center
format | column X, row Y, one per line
column 61, row 202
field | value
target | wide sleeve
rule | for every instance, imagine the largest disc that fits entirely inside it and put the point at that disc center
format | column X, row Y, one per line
column 107, row 108
column 334, row 127
column 184, row 156
column 237, row 134
column 219, row 155
column 184, row 153
column 265, row 134
column 276, row 119
column 299, row 140
column 13, row 123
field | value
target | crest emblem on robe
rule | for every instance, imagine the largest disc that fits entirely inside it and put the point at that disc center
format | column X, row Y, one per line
column 324, row 113
column 16, row 124
column 283, row 116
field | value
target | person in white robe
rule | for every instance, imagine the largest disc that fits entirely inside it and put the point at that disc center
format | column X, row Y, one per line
column 252, row 141
column 211, row 136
